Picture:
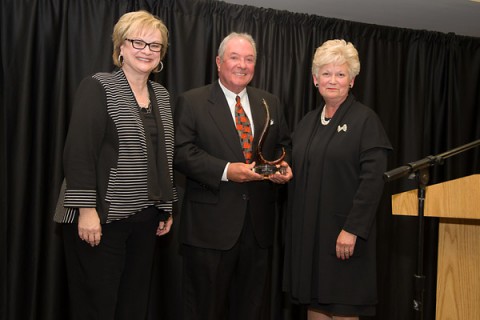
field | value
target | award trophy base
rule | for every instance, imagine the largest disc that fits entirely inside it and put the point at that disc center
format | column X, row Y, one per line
column 268, row 169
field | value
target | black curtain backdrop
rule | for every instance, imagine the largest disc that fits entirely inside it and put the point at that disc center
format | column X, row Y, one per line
column 423, row 85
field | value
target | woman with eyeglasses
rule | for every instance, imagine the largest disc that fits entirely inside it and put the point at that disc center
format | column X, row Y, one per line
column 119, row 190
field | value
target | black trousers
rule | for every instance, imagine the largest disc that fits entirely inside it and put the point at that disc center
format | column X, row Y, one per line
column 231, row 284
column 112, row 281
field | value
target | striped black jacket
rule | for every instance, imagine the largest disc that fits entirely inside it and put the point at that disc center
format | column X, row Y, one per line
column 105, row 157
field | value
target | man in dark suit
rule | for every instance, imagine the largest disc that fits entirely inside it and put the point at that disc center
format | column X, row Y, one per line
column 228, row 212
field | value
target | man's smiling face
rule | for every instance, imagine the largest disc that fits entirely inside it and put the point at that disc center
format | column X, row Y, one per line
column 237, row 66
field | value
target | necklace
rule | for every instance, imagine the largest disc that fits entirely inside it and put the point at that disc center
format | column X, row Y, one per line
column 146, row 108
column 324, row 120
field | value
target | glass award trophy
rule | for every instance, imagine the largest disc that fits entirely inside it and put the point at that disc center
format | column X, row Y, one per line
column 267, row 167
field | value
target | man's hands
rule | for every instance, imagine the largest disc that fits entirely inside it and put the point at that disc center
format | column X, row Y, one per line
column 243, row 172
column 283, row 176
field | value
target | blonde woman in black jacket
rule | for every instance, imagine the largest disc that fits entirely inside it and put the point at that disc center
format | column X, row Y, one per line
column 119, row 180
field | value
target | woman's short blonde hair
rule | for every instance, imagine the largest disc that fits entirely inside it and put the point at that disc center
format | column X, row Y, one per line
column 136, row 21
column 338, row 52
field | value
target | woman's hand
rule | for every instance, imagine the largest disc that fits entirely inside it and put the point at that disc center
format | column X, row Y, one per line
column 89, row 227
column 164, row 226
column 345, row 245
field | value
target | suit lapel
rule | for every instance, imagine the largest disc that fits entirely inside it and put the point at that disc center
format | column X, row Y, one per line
column 222, row 119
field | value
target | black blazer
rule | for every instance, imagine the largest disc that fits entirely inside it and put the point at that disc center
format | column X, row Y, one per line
column 106, row 142
column 213, row 211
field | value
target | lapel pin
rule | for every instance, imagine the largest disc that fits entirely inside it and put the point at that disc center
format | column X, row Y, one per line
column 342, row 128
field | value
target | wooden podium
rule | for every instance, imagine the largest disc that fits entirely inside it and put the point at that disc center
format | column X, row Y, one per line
column 457, row 204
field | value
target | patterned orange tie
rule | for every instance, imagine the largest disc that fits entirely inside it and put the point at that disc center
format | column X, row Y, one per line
column 244, row 130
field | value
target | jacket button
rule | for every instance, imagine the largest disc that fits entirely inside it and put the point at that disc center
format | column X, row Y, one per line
column 244, row 196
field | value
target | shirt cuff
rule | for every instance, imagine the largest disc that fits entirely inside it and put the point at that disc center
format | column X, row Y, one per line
column 224, row 175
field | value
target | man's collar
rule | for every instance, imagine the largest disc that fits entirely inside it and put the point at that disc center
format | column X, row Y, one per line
column 231, row 94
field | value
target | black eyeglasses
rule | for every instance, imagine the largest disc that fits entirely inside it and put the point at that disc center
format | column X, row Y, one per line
column 140, row 44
